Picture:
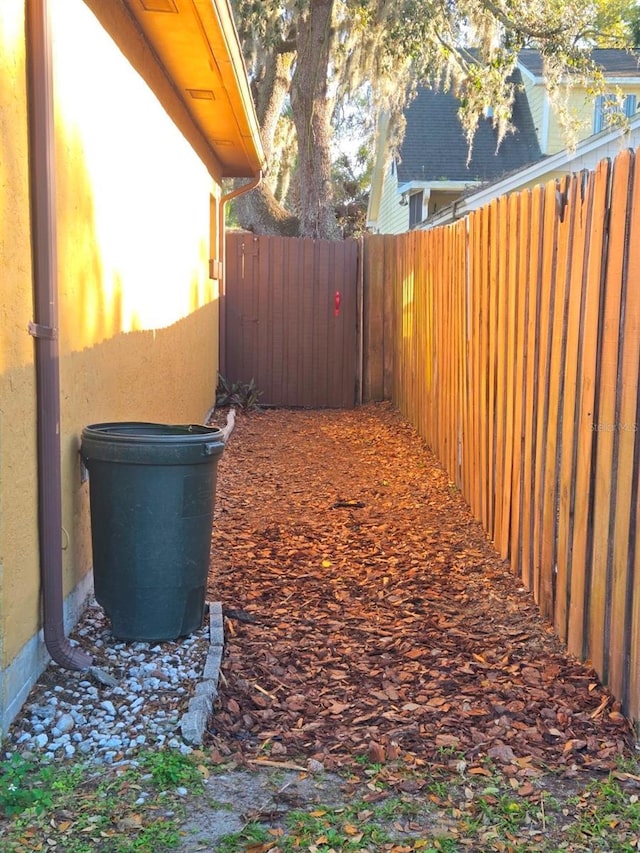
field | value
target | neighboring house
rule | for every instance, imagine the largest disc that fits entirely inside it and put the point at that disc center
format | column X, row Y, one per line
column 621, row 72
column 586, row 156
column 431, row 172
column 119, row 121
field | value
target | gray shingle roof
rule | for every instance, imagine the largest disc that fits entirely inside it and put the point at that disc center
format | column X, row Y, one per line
column 613, row 63
column 435, row 149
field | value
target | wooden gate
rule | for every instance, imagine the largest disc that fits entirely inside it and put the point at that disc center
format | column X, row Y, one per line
column 290, row 316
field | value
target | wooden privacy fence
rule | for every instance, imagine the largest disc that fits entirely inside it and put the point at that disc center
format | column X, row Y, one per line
column 517, row 351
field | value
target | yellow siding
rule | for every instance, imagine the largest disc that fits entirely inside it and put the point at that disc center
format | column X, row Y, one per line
column 393, row 218
column 582, row 109
column 536, row 97
column 138, row 315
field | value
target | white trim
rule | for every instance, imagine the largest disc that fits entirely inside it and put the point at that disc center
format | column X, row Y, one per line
column 544, row 130
column 378, row 175
column 623, row 81
column 533, row 77
column 414, row 186
column 28, row 665
column 540, row 79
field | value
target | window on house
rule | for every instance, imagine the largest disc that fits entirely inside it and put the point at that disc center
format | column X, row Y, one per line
column 609, row 106
column 415, row 208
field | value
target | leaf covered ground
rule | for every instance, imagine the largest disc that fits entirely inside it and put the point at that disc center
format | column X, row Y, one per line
column 367, row 612
column 371, row 627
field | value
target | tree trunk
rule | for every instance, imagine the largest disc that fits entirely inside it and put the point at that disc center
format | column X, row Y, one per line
column 312, row 108
column 260, row 211
column 270, row 93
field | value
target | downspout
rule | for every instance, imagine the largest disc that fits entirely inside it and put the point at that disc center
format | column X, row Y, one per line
column 44, row 329
column 245, row 188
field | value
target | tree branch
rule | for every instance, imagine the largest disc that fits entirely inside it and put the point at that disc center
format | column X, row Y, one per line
column 520, row 28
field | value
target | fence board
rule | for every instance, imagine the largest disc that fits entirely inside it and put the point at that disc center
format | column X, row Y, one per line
column 466, row 443
column 389, row 309
column 485, row 381
column 606, row 425
column 582, row 209
column 512, row 347
column 534, row 260
column 501, row 347
column 473, row 491
column 627, row 426
column 374, row 315
column 541, row 579
column 565, row 212
column 582, row 533
column 519, row 283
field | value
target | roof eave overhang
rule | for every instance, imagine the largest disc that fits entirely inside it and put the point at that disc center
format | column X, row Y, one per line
column 613, row 79
column 188, row 51
column 453, row 185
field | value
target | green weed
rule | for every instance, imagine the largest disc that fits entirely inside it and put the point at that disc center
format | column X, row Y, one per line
column 24, row 784
column 324, row 829
column 241, row 395
column 170, row 769
column 606, row 809
column 252, row 833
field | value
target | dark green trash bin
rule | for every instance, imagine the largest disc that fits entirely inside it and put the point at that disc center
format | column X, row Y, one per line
column 152, row 490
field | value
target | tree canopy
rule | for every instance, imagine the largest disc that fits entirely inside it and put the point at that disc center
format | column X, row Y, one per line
column 320, row 66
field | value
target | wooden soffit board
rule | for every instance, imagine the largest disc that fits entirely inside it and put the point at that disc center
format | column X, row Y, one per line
column 195, row 45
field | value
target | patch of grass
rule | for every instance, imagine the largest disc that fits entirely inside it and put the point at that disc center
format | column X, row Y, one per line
column 608, row 816
column 364, row 761
column 170, row 769
column 506, row 813
column 252, row 833
column 218, row 806
column 81, row 808
column 324, row 829
column 442, row 845
column 395, row 807
column 439, row 788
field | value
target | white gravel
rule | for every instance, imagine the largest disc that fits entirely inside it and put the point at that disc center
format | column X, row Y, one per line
column 132, row 699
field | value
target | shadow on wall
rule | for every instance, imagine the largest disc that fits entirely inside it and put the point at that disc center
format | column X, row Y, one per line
column 90, row 308
column 117, row 271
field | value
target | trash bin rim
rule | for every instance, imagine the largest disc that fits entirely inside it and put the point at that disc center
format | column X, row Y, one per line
column 143, row 432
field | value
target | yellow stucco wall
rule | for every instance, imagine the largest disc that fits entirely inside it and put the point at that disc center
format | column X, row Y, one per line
column 138, row 315
column 18, row 507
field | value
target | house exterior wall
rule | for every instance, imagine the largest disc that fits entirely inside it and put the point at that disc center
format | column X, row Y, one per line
column 537, row 99
column 581, row 106
column 18, row 508
column 138, row 315
column 393, row 217
column 441, row 198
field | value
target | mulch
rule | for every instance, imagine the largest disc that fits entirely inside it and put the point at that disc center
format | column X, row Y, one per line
column 368, row 618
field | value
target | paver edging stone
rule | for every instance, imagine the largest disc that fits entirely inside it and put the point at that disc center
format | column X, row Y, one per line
column 194, row 720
